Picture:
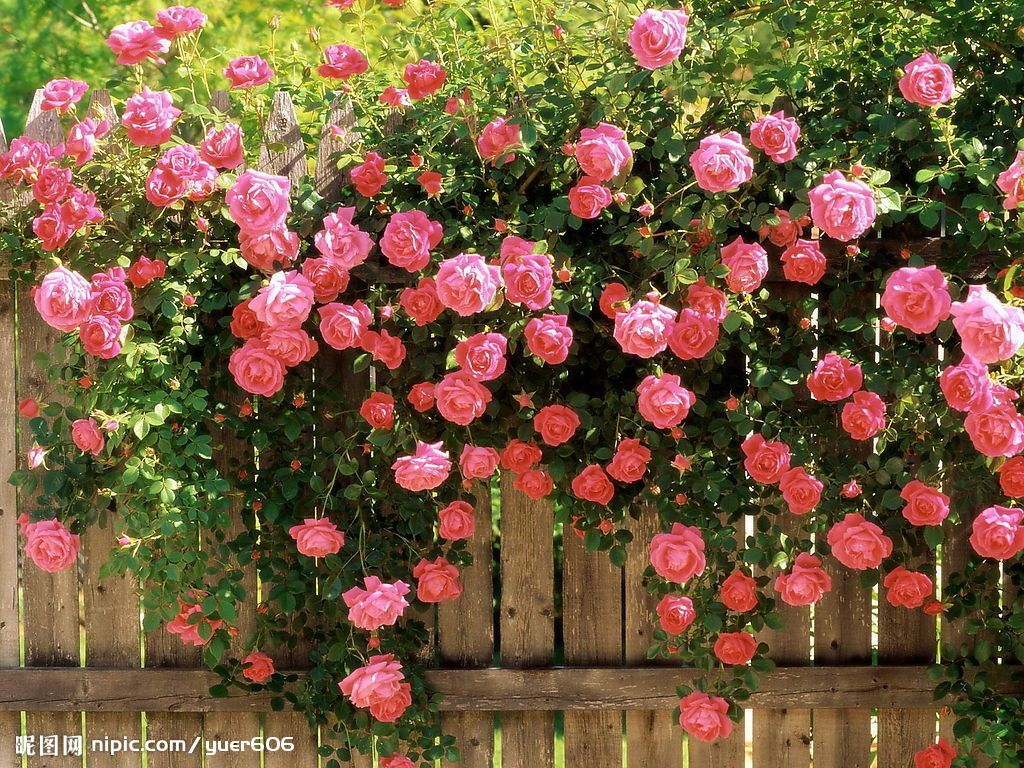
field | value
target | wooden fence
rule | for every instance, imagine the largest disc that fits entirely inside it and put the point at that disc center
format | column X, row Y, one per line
column 841, row 694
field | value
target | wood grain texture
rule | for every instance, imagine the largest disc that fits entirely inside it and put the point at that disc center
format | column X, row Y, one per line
column 527, row 618
column 653, row 737
column 337, row 135
column 283, row 152
column 465, row 629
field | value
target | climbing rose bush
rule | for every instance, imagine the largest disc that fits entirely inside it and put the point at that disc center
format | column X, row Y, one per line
column 624, row 260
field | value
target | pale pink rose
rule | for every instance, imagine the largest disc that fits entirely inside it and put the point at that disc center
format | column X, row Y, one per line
column 675, row 613
column 592, row 484
column 663, row 401
column 800, row 489
column 285, row 301
column 461, row 399
column 693, row 335
column 342, row 241
column 765, row 461
column 436, row 581
column 477, row 462
column 63, row 299
column 805, row 583
column 588, row 198
column 603, row 152
column 735, row 647
column 408, row 239
column 747, row 263
column 707, row 300
column 291, row 346
column 1011, row 182
column 376, row 605
column 917, row 298
column 457, row 521
column 842, row 209
column 270, row 251
column 179, row 20
column 657, row 37
column 423, row 79
column 136, row 41
column 344, row 325
column 421, row 303
column 498, row 141
column 87, row 437
column 966, row 386
column 989, row 330
column 834, row 378
column 342, row 62
column 62, row 94
column 101, row 336
column 927, row 81
column 534, row 483
column 556, row 424
column 82, row 139
column 858, row 543
column 996, row 429
column 50, row 545
column 722, row 163
column 864, row 416
column 803, row 262
column 248, row 72
column 379, row 680
column 421, row 396
column 939, row 755
column 368, row 177
column 528, row 280
column 1011, row 477
column 482, row 355
column 549, row 337
column 257, row 667
column 776, row 135
column 643, row 330
column 386, row 348
column 258, row 202
column 924, row 505
column 629, row 464
column 783, row 234
column 906, row 589
column 705, row 717
column 425, row 469
column 149, row 117
column 256, row 370
column 223, row 148
column 466, row 284
column 317, row 537
column 738, row 592
column 997, row 533
column 678, row 556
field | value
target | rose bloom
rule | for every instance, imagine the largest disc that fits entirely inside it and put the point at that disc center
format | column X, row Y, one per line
column 592, row 484
column 482, row 355
column 588, row 198
column 549, row 338
column 386, row 348
column 478, row 462
column 834, row 378
column 800, row 489
column 842, row 209
column 966, row 386
column 738, row 592
column 765, row 461
column 248, row 72
column 327, row 278
column 693, row 335
column 270, row 251
column 179, row 20
column 421, row 396
column 379, row 410
column 924, row 505
column 436, row 581
column 292, row 346
column 776, row 135
column 996, row 430
column 223, row 148
column 629, row 464
column 460, row 398
column 663, row 401
column 379, row 680
column 256, row 370
column 149, row 117
column 244, row 323
column 344, row 325
column 87, row 437
column 376, row 605
column 705, row 717
column 342, row 241
column 317, row 537
column 675, row 613
column 285, row 302
column 528, row 280
column 535, row 484
column 735, row 647
column 721, row 163
column 603, row 152
column 431, row 182
column 50, row 545
column 466, row 284
column 423, row 79
column 342, row 62
column 101, row 336
column 939, row 755
column 518, row 456
column 906, row 589
column 707, row 300
column 864, row 416
column 803, row 262
column 186, row 629
column 392, row 708
column 657, row 37
column 63, row 299
column 457, row 521
column 258, row 202
column 678, row 556
column 497, row 141
column 783, row 234
column 927, row 81
column 858, row 543
column 82, row 138
column 368, row 177
column 917, row 299
column 425, row 469
column 408, row 239
column 997, row 533
column 396, row 761
column 614, row 300
column 1011, row 477
column 747, row 263
column 62, row 94
column 556, row 424
column 421, row 303
column 1011, row 182
column 136, row 41
column 805, row 583
column 144, row 270
column 257, row 667
column 989, row 330
column 643, row 330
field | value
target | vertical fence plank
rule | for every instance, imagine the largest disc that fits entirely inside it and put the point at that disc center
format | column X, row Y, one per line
column 283, row 152
column 592, row 636
column 466, row 637
column 653, row 737
column 337, row 135
column 527, row 623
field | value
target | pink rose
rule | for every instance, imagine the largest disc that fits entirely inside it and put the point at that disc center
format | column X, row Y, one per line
column 721, row 163
column 966, row 386
column 368, row 177
column 291, row 346
column 477, row 462
column 136, row 41
column 735, row 647
column 145, row 270
column 1011, row 477
column 842, row 209
column 101, row 336
column 693, row 335
column 223, row 148
column 457, row 521
column 834, row 378
column 803, row 262
column 747, row 263
column 707, row 300
column 800, row 489
column 248, row 72
column 82, row 138
column 258, row 202
column 663, row 401
column 657, row 38
column 996, row 429
column 1011, row 182
column 461, row 399
column 396, row 761
column 378, row 410
column 436, row 581
column 466, row 284
column 149, row 117
column 549, row 338
column 87, row 437
column 378, row 681
column 50, row 545
column 588, row 198
column 938, row 755
column 927, row 81
column 805, row 583
column 408, row 239
column 63, row 299
column 317, row 537
column 783, row 234
column 528, row 280
column 342, row 241
column 738, row 592
column 924, row 505
column 423, row 79
column 765, row 461
column 52, row 185
column 377, row 605
column 179, row 20
column 342, row 62
column 556, row 424
column 603, row 152
column 705, row 717
column 421, row 396
column 675, row 614
column 858, row 543
column 518, row 456
column 990, row 331
column 864, row 416
column 614, row 300
column 344, row 325
column 643, row 330
column 482, row 355
column 592, row 484
column 257, row 667
column 386, row 348
column 272, row 250
column 61, row 95
column 25, row 159
column 629, row 464
column 997, row 533
column 917, row 299
column 534, row 483
column 498, row 140
column 425, row 469
column 776, row 135
column 678, row 556
column 52, row 229
column 421, row 303
column 256, row 370
column 431, row 181
column 906, row 589
column 285, row 301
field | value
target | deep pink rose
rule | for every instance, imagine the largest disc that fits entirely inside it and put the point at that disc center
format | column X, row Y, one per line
column 556, row 424
column 906, row 589
column 800, row 489
column 255, row 369
column 257, row 667
column 518, row 456
column 864, row 416
column 592, row 484
column 291, row 346
column 675, row 613
column 101, row 336
column 629, row 464
column 805, row 583
column 376, row 605
column 482, row 355
column 408, row 239
column 722, row 163
column 285, row 302
column 1011, row 477
column 368, row 177
column 145, row 270
column 342, row 241
column 803, row 262
column 179, row 20
column 917, row 298
column 927, row 81
column 62, row 94
column 924, row 505
column 136, row 41
column 425, row 469
column 549, row 337
column 588, row 198
column 258, row 202
column 747, row 263
column 149, row 117
column 82, row 139
column 223, row 148
column 379, row 680
column 765, row 461
column 50, row 545
column 344, row 325
column 87, row 437
column 272, row 250
column 436, row 581
column 342, row 62
column 657, row 37
column 841, row 208
column 457, row 521
column 997, row 533
column 467, row 284
column 858, row 543
column 534, row 483
column 939, row 755
column 707, row 300
column 834, row 378
column 317, row 537
column 663, row 401
column 528, row 280
column 643, row 330
column 421, row 396
column 63, row 299
column 1011, row 182
column 603, row 152
column 738, row 592
column 423, row 79
column 498, row 140
column 478, row 462
column 705, row 717
column 735, row 647
column 421, row 303
column 460, row 399
column 776, row 135
column 248, row 72
column 678, row 556
column 693, row 335
column 996, row 429
column 386, row 348
column 966, row 386
column 989, row 330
